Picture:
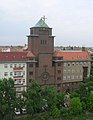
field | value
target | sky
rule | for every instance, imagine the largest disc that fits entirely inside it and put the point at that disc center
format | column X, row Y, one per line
column 71, row 20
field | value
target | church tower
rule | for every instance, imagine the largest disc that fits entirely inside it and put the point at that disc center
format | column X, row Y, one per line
column 41, row 44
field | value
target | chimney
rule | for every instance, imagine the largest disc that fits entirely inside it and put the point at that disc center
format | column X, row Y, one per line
column 83, row 48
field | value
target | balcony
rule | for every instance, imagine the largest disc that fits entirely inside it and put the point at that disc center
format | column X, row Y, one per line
column 21, row 76
column 18, row 68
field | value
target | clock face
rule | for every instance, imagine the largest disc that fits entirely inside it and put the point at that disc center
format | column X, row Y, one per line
column 45, row 76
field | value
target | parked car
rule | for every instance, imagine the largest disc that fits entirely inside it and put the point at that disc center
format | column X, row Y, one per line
column 17, row 111
column 24, row 111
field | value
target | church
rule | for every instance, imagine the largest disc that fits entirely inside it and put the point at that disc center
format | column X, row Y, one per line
column 63, row 70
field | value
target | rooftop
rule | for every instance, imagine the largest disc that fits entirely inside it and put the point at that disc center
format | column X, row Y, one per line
column 41, row 23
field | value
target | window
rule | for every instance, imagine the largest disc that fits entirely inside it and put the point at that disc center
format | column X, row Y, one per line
column 68, row 64
column 5, row 73
column 15, row 73
column 59, row 64
column 23, row 72
column 64, row 64
column 11, row 66
column 11, row 73
column 5, row 66
column 68, row 77
column 68, row 85
column 19, row 73
column 30, row 58
column 59, row 71
column 63, row 85
column 43, row 42
column 64, row 71
column 23, row 88
column 23, row 65
column 76, row 76
column 15, row 65
column 30, row 80
column 73, row 71
column 30, row 73
column 64, row 77
column 59, row 85
column 80, row 76
column 20, row 65
column 68, row 70
column 30, row 65
column 58, row 78
column 72, row 76
column 19, row 81
column 18, row 88
column 59, row 58
column 23, row 80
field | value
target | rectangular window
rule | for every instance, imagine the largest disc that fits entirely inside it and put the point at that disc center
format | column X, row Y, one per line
column 59, row 64
column 76, row 76
column 30, row 73
column 23, row 65
column 72, row 76
column 15, row 65
column 19, row 81
column 5, row 73
column 68, row 77
column 11, row 66
column 5, row 65
column 11, row 73
column 20, row 65
column 19, row 73
column 30, row 80
column 64, row 71
column 23, row 72
column 73, row 70
column 64, row 64
column 68, row 70
column 58, row 78
column 15, row 73
column 30, row 65
column 64, row 77
column 23, row 80
column 59, row 71
column 18, row 88
column 59, row 85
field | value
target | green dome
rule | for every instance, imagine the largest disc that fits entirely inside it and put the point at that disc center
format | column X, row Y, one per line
column 41, row 23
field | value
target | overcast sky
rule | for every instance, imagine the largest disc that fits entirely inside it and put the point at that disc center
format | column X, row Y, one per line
column 71, row 20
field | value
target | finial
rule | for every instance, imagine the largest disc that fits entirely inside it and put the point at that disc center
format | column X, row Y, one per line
column 43, row 18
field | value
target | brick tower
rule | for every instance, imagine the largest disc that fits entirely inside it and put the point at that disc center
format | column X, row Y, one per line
column 41, row 44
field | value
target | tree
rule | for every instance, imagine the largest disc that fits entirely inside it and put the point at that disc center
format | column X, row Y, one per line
column 54, row 112
column 90, row 102
column 60, row 99
column 33, row 98
column 75, row 106
column 50, row 95
column 7, row 99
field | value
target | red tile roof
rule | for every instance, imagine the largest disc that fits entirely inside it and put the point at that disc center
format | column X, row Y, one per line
column 14, row 56
column 73, row 55
column 30, row 54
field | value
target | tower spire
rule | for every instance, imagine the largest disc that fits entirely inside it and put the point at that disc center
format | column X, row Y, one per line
column 43, row 18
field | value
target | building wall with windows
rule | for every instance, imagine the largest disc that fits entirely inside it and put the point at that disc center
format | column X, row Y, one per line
column 17, row 71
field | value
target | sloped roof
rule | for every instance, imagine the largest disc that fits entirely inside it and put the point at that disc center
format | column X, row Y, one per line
column 15, row 56
column 30, row 54
column 73, row 55
column 41, row 23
